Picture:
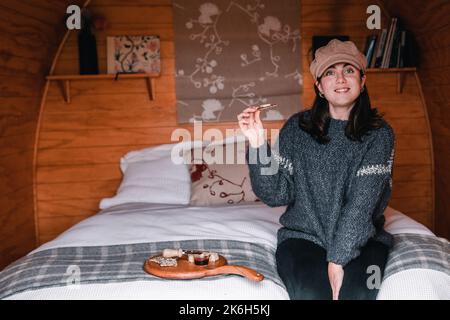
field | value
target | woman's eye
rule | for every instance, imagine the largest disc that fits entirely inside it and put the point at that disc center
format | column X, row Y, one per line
column 349, row 70
column 329, row 73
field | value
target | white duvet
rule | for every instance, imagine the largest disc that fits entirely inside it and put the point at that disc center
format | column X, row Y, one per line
column 258, row 223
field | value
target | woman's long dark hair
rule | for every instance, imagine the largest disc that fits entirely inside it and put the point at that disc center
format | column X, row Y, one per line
column 362, row 118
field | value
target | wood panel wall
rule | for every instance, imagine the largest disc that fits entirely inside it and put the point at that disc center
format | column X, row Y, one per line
column 29, row 35
column 80, row 143
column 429, row 21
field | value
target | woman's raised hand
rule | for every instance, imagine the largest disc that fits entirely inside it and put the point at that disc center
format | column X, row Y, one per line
column 251, row 126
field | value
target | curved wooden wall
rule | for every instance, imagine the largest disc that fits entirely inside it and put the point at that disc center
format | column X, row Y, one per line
column 430, row 25
column 80, row 143
column 30, row 32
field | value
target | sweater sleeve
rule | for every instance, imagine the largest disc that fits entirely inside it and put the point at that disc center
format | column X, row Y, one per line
column 271, row 170
column 369, row 192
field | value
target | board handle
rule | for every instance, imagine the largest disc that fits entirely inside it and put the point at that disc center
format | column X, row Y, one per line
column 239, row 270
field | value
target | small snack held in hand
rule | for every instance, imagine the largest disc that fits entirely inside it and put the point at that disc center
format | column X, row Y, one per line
column 266, row 106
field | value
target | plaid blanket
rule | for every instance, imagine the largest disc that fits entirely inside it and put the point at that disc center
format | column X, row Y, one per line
column 121, row 263
column 412, row 251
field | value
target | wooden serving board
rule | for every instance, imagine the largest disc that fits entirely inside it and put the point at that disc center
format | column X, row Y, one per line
column 186, row 270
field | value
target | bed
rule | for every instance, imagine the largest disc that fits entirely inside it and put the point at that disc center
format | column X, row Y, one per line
column 102, row 257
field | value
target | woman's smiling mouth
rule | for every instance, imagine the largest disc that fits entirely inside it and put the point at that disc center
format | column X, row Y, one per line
column 342, row 90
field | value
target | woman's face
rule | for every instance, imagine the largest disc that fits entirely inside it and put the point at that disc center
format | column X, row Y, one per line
column 341, row 84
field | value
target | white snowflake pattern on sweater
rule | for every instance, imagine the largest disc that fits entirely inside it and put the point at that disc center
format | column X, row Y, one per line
column 284, row 162
column 378, row 168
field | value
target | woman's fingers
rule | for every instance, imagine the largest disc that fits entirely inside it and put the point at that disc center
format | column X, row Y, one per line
column 250, row 109
column 244, row 124
column 335, row 293
column 336, row 288
column 336, row 277
column 248, row 112
column 243, row 115
column 246, row 118
column 257, row 118
column 249, row 120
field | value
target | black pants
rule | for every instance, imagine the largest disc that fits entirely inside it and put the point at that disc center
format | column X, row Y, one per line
column 303, row 268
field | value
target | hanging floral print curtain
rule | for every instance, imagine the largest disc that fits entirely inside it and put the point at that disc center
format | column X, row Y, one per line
column 233, row 54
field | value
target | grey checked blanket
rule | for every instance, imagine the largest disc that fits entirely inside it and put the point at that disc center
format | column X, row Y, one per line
column 418, row 251
column 121, row 263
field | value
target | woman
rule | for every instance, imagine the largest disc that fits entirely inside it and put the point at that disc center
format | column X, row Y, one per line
column 334, row 174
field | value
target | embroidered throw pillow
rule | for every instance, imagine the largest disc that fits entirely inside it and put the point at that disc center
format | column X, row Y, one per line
column 220, row 184
column 219, row 177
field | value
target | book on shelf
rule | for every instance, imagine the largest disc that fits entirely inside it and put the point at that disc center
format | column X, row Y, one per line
column 393, row 47
column 401, row 49
column 376, row 61
column 388, row 47
column 370, row 48
column 392, row 61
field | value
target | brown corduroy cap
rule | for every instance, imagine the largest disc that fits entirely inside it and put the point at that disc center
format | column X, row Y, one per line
column 336, row 51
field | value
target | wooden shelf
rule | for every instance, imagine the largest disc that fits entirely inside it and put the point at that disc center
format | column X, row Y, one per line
column 391, row 70
column 400, row 74
column 65, row 80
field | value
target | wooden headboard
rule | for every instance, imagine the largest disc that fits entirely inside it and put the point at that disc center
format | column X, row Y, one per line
column 79, row 144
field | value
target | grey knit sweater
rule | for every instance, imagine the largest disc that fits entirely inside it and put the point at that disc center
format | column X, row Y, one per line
column 335, row 193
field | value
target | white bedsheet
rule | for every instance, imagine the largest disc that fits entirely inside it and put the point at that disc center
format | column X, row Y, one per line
column 135, row 223
column 258, row 223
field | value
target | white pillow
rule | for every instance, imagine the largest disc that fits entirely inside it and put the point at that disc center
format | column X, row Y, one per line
column 152, row 175
column 397, row 222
